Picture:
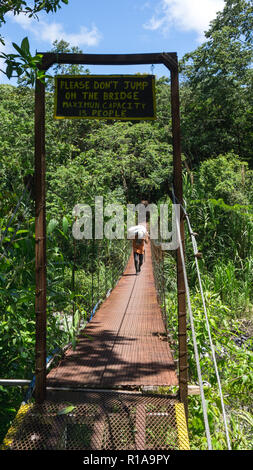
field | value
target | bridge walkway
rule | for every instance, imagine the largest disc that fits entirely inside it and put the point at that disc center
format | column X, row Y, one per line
column 96, row 396
column 125, row 343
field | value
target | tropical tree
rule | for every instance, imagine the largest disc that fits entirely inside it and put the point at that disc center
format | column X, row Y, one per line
column 23, row 61
column 28, row 8
column 217, row 87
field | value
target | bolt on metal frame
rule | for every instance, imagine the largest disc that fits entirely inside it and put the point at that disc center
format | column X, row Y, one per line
column 48, row 59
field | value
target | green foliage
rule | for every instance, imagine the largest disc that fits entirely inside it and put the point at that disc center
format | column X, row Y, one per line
column 226, row 177
column 233, row 361
column 219, row 204
column 16, row 144
column 24, row 63
column 10, row 399
column 60, row 47
column 217, row 89
column 21, row 6
column 224, row 226
column 28, row 8
column 125, row 162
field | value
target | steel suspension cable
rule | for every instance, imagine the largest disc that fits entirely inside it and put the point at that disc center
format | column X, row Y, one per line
column 204, row 407
column 195, row 249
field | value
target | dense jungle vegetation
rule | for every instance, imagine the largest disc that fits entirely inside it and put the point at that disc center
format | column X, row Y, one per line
column 126, row 162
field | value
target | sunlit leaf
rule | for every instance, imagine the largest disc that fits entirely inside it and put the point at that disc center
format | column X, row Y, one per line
column 66, row 410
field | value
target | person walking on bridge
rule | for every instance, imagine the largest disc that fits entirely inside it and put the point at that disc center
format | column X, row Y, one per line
column 139, row 251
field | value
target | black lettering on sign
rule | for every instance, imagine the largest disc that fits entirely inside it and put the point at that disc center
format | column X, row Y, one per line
column 124, row 97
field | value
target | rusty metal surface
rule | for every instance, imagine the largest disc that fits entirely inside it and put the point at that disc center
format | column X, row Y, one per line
column 169, row 59
column 40, row 242
column 178, row 188
column 102, row 421
column 125, row 344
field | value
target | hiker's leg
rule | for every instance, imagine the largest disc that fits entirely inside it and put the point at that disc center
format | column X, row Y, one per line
column 136, row 261
column 140, row 261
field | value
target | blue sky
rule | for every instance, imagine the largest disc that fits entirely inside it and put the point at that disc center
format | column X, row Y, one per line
column 114, row 26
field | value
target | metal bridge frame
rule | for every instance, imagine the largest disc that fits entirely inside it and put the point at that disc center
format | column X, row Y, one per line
column 169, row 59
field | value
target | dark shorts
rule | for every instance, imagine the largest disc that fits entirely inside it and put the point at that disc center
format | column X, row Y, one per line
column 138, row 261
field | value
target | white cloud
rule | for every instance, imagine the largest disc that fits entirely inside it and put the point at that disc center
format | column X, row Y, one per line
column 49, row 32
column 185, row 15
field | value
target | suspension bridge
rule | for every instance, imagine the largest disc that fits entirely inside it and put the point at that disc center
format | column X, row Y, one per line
column 111, row 391
column 112, row 380
column 116, row 389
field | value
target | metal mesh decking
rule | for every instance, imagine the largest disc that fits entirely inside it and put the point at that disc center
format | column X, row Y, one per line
column 102, row 421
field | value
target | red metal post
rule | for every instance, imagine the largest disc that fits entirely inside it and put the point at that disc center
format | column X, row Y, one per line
column 178, row 189
column 40, row 244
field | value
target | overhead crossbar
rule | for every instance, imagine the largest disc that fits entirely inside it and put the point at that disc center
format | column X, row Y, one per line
column 169, row 59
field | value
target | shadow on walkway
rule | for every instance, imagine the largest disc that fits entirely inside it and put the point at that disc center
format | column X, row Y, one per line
column 123, row 345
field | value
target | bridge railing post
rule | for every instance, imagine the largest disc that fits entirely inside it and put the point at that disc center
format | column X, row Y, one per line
column 40, row 243
column 178, row 189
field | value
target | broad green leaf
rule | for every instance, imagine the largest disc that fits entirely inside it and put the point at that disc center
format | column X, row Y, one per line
column 66, row 410
column 22, row 231
column 51, row 226
column 20, row 51
column 65, row 225
column 25, row 46
column 9, row 70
